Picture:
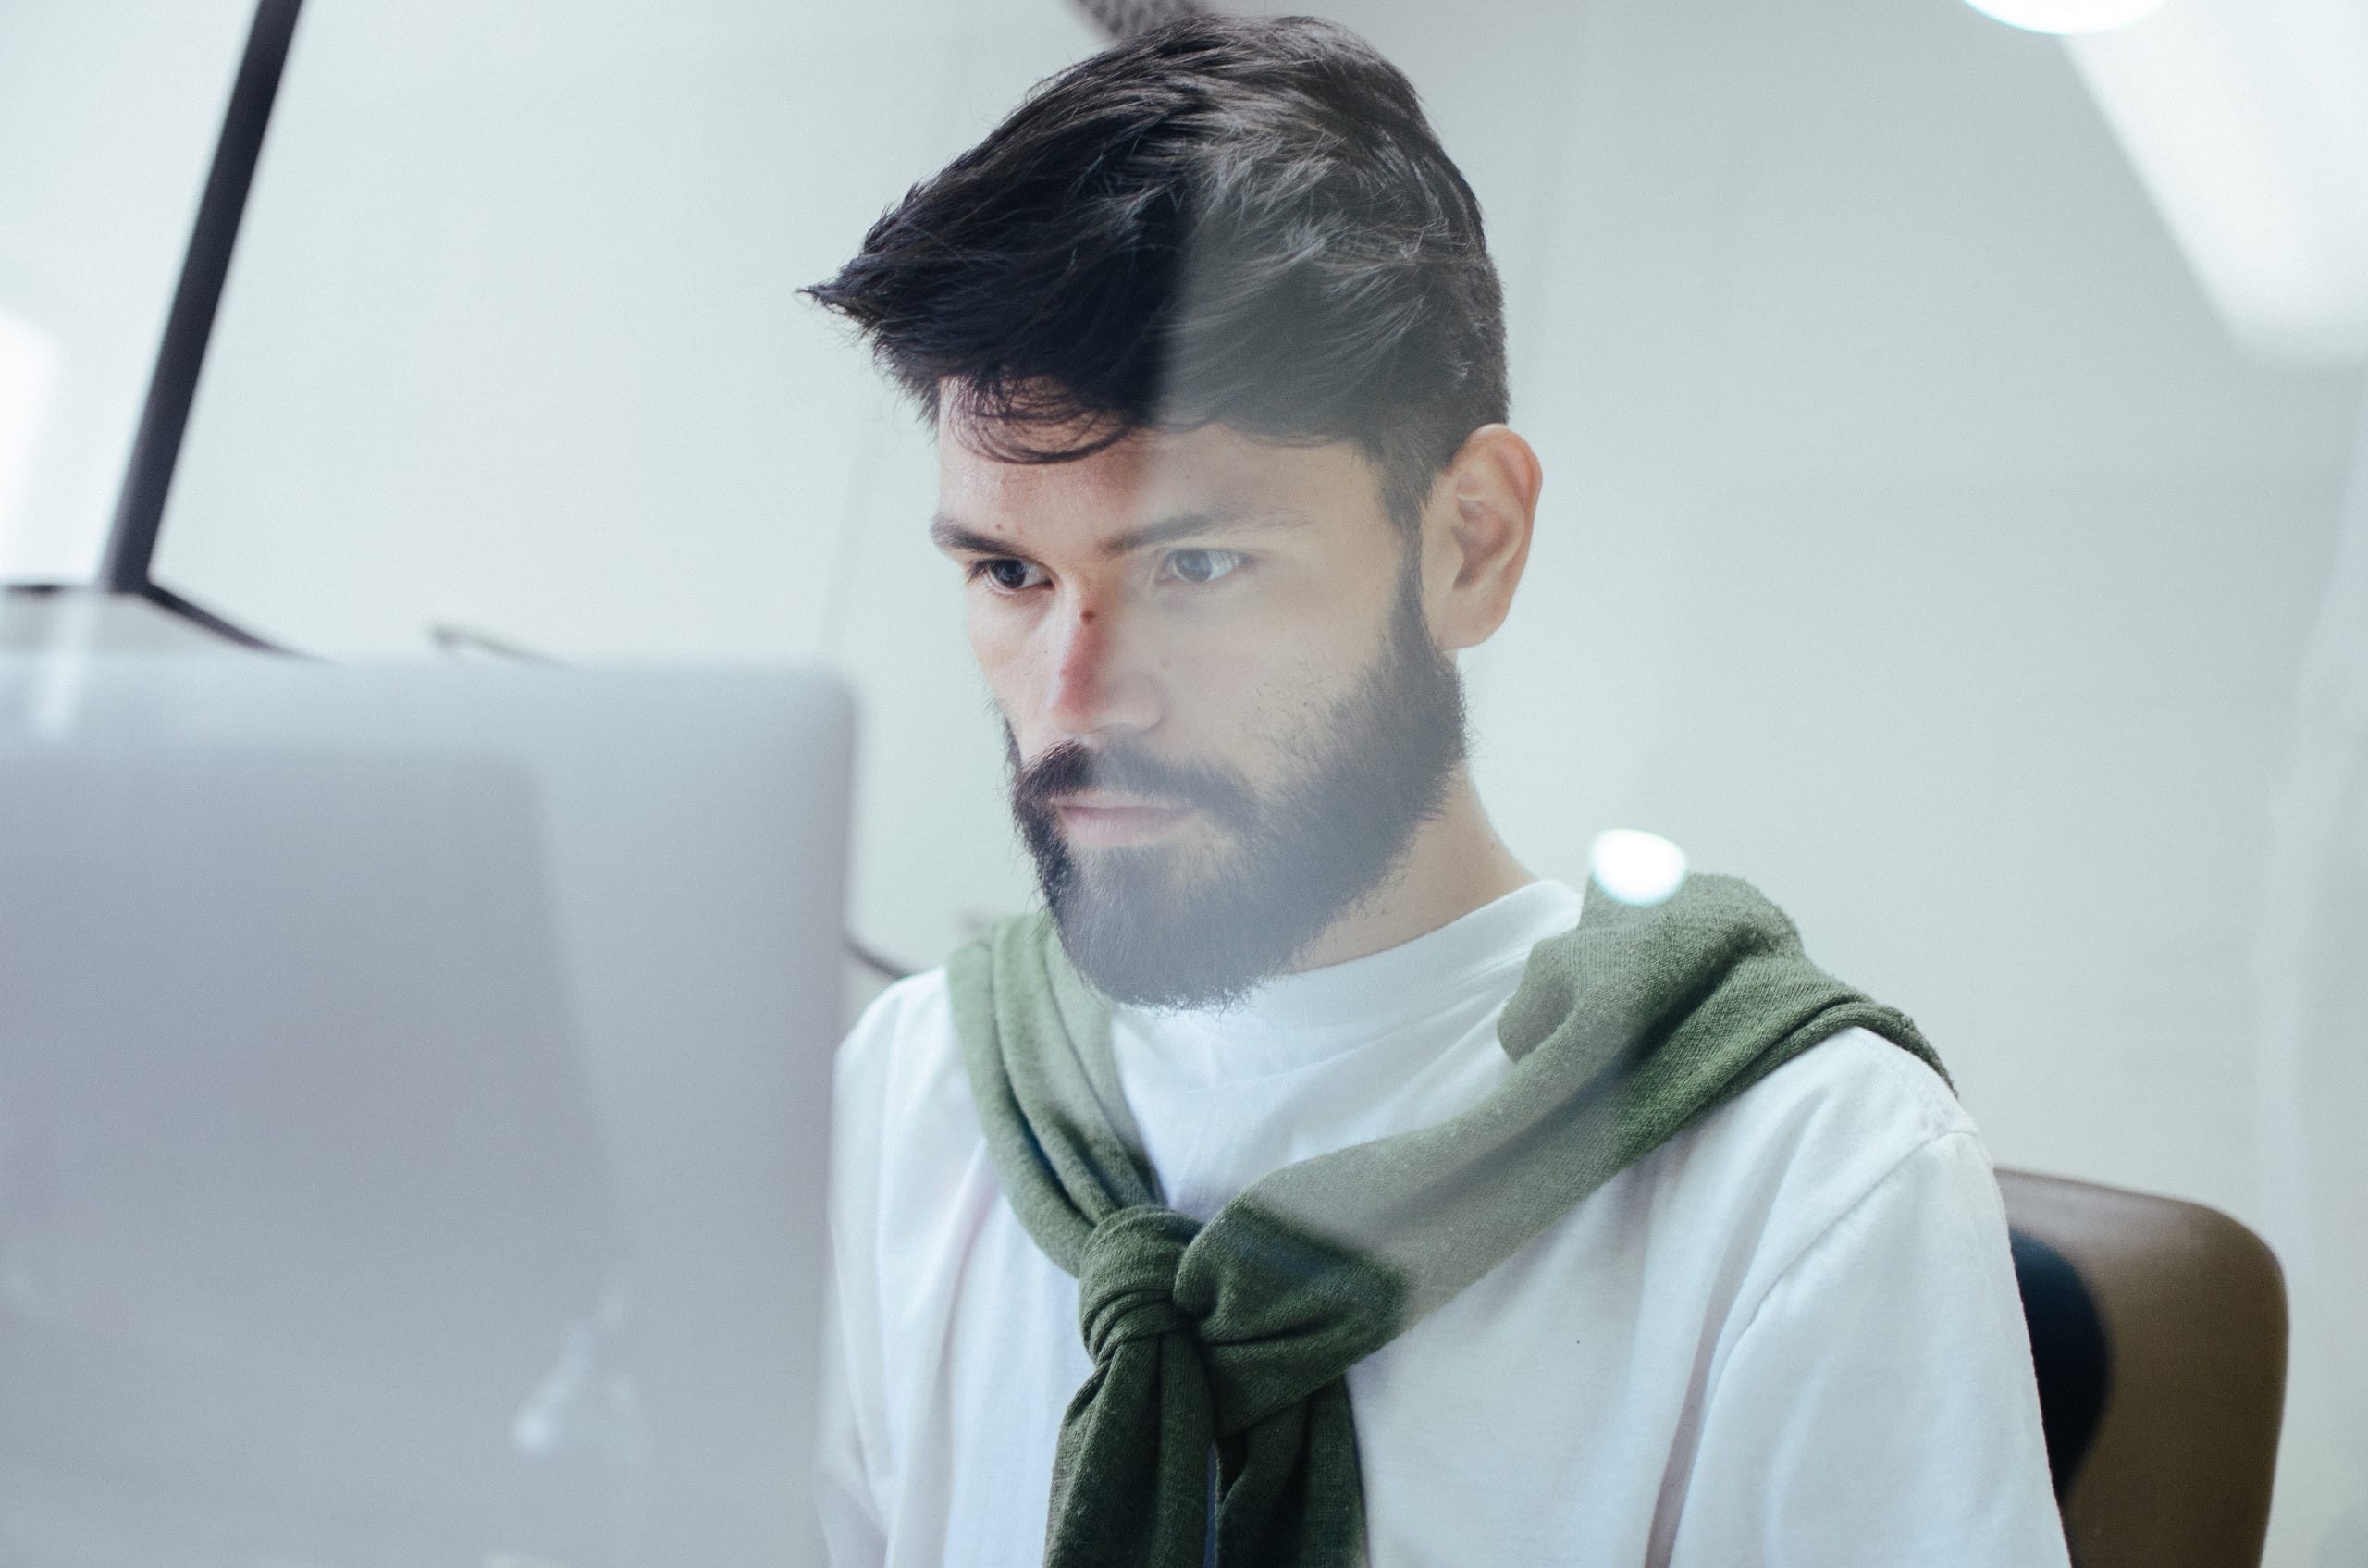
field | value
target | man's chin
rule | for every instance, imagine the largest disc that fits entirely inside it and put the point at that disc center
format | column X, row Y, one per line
column 1152, row 927
column 1139, row 883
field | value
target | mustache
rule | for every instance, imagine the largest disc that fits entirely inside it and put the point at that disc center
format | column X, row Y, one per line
column 1072, row 766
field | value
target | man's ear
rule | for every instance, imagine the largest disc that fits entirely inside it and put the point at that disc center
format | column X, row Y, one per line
column 1475, row 536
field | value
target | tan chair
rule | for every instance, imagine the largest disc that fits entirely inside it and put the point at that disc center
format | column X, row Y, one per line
column 2158, row 1330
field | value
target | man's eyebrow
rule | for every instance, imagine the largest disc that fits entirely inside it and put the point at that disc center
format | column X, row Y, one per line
column 1170, row 529
column 946, row 533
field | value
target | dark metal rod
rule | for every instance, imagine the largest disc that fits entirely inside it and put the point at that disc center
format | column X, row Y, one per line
column 870, row 958
column 168, row 600
column 131, row 543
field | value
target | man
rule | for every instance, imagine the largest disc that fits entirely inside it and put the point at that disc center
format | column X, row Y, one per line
column 1310, row 1184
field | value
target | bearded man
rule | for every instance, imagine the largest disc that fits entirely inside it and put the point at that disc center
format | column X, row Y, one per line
column 1308, row 1183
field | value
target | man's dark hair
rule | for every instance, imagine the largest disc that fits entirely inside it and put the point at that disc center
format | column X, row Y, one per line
column 1225, row 220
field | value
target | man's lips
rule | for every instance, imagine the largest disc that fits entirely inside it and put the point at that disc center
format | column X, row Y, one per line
column 1116, row 824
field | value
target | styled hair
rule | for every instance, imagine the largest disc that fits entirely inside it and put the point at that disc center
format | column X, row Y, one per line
column 1224, row 220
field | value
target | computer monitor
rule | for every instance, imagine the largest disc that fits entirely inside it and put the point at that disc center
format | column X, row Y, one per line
column 414, row 1108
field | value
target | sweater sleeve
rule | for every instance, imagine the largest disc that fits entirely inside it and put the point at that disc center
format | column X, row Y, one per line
column 1877, row 1408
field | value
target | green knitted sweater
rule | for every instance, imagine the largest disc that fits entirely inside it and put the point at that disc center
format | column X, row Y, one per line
column 1216, row 1397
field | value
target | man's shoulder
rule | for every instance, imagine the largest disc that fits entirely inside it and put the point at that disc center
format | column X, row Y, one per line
column 1857, row 1088
column 900, row 1072
column 913, row 1014
column 1811, row 1142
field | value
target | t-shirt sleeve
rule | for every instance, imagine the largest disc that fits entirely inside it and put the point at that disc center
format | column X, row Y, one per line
column 842, row 1491
column 849, row 1441
column 1877, row 1407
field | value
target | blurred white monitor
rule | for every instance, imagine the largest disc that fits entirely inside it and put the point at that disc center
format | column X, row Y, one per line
column 413, row 1100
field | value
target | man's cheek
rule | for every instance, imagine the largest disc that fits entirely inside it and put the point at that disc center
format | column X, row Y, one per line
column 1008, row 690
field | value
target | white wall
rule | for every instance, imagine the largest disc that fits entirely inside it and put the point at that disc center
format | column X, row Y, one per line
column 107, row 120
column 1916, row 541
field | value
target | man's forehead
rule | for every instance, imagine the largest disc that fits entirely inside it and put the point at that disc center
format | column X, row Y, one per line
column 1116, row 485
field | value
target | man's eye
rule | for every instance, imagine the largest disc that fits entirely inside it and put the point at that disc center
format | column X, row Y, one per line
column 1203, row 565
column 1009, row 575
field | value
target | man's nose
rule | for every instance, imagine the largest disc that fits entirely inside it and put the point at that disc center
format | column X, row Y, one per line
column 1098, row 680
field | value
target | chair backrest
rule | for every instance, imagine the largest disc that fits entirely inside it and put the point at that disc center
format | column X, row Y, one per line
column 2158, row 1331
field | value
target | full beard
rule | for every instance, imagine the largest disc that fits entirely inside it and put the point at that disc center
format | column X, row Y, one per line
column 1165, row 927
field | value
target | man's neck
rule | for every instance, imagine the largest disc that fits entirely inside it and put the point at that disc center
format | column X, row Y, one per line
column 1455, row 864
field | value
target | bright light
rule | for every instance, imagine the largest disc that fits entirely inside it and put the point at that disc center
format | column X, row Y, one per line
column 1637, row 868
column 2066, row 16
column 2242, row 118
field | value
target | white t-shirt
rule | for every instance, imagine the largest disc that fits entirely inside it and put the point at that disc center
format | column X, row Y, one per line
column 1789, row 1336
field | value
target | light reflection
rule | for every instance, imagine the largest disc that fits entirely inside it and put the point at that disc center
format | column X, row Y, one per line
column 2066, row 16
column 2242, row 120
column 1637, row 867
column 26, row 362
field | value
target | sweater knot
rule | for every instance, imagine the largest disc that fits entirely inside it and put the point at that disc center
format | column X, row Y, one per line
column 1126, row 1281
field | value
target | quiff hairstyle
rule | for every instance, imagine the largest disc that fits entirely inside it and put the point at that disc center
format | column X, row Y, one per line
column 1225, row 220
